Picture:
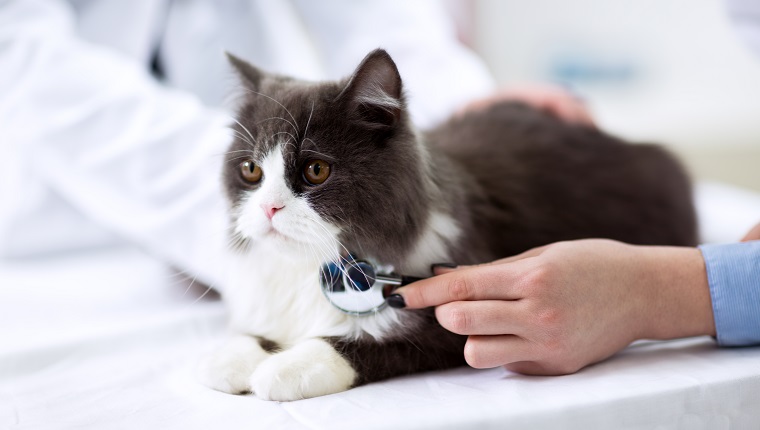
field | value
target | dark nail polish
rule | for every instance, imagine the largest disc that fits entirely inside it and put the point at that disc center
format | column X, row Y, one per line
column 442, row 265
column 396, row 301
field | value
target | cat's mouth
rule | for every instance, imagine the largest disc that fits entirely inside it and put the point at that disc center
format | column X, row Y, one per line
column 273, row 233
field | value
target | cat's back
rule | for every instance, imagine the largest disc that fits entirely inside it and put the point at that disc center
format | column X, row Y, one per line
column 535, row 179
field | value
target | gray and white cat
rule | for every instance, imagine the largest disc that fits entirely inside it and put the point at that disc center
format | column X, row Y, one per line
column 320, row 168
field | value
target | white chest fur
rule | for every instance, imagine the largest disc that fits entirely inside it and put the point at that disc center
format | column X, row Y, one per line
column 279, row 297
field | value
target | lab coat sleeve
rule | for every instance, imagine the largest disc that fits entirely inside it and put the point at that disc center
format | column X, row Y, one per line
column 140, row 159
column 439, row 73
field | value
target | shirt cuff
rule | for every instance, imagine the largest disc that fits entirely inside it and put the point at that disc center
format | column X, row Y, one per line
column 733, row 272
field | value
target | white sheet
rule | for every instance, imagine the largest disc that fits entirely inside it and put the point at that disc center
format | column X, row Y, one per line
column 109, row 339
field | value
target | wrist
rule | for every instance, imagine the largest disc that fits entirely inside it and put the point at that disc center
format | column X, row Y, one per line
column 677, row 295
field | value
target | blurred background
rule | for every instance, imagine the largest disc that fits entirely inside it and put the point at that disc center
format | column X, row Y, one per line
column 670, row 71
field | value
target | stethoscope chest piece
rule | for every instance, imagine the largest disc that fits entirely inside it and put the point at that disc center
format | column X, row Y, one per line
column 354, row 286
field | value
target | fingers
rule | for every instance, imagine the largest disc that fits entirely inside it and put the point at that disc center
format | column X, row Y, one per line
column 483, row 352
column 485, row 317
column 488, row 282
column 754, row 234
column 556, row 101
column 570, row 110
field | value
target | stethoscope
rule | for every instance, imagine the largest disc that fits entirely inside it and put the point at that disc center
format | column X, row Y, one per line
column 356, row 288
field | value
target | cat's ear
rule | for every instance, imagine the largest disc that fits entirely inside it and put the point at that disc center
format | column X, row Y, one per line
column 251, row 75
column 373, row 93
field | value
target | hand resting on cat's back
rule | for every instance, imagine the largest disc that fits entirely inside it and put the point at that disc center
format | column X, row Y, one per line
column 318, row 170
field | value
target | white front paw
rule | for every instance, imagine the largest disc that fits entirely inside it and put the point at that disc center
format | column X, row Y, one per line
column 229, row 369
column 310, row 369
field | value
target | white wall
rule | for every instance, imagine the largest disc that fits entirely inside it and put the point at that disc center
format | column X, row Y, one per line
column 672, row 71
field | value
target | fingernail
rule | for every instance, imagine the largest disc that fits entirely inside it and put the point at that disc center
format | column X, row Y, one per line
column 396, row 301
column 442, row 266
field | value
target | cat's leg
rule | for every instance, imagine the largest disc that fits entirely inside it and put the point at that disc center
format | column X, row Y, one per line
column 422, row 351
column 318, row 367
column 309, row 369
column 229, row 369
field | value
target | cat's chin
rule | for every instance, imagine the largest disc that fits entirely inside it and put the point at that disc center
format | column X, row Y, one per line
column 289, row 248
column 275, row 236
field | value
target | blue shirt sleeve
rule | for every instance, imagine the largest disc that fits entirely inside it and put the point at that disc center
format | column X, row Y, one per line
column 733, row 272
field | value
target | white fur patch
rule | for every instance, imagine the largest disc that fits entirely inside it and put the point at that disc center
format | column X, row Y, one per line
column 432, row 246
column 230, row 368
column 310, row 369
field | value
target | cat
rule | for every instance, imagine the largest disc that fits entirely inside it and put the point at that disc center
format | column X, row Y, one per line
column 318, row 169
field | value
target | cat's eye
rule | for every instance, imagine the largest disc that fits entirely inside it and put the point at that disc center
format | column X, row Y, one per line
column 316, row 172
column 250, row 172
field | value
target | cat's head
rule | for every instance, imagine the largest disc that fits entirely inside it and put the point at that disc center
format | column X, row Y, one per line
column 321, row 168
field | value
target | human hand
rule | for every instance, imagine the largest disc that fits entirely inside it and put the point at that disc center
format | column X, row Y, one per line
column 553, row 100
column 753, row 234
column 555, row 309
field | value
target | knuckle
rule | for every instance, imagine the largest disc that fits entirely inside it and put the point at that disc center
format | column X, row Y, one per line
column 549, row 318
column 458, row 320
column 459, row 288
column 538, row 279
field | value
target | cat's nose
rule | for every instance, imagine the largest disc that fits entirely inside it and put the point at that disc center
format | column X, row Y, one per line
column 271, row 208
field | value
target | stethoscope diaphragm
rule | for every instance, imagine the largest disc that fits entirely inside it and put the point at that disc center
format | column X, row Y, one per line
column 354, row 286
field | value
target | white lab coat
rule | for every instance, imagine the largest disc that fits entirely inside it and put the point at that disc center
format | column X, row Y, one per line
column 93, row 150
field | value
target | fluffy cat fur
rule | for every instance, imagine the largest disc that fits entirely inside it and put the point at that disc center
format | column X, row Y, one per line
column 482, row 186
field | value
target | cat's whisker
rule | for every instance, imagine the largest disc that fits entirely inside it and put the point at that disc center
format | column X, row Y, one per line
column 306, row 131
column 192, row 282
column 242, row 137
column 246, row 130
column 316, row 152
column 240, row 157
column 325, row 255
column 237, row 241
column 283, row 106
column 208, row 289
column 312, row 141
column 274, row 117
column 351, row 226
column 347, row 222
column 222, row 154
column 319, row 224
column 183, row 276
column 367, row 300
column 287, row 142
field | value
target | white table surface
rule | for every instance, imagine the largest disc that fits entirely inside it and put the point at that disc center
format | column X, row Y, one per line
column 109, row 338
